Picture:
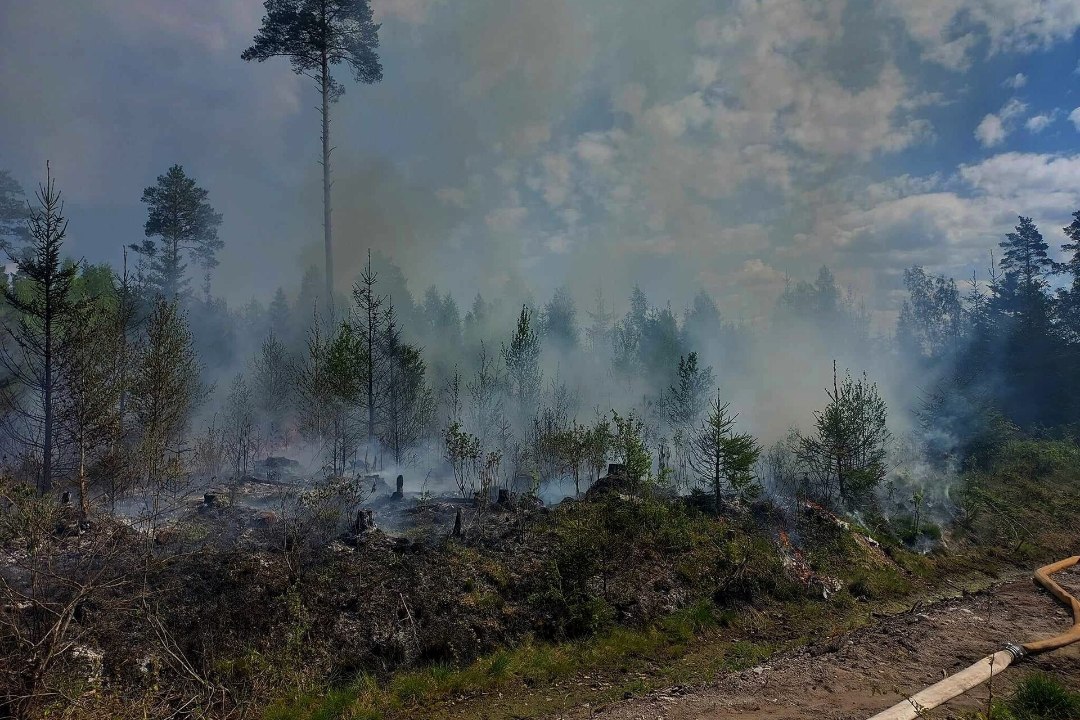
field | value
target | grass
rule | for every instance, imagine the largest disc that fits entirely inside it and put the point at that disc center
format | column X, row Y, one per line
column 1042, row 697
column 1038, row 697
column 620, row 662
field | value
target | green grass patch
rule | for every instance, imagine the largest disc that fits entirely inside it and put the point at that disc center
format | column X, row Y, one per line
column 1038, row 697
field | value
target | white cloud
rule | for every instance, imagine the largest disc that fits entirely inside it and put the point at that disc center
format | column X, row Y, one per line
column 1015, row 82
column 1012, row 109
column 991, row 131
column 1038, row 123
column 994, row 128
column 948, row 30
column 1074, row 117
column 1028, row 180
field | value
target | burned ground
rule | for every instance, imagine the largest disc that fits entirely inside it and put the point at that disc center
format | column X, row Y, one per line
column 618, row 594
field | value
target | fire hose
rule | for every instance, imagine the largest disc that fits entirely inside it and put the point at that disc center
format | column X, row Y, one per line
column 939, row 693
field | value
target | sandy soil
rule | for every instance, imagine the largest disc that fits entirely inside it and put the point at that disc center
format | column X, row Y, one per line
column 860, row 673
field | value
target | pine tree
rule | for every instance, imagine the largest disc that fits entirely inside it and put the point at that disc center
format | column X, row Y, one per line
column 238, row 425
column 346, row 381
column 1026, row 255
column 164, row 391
column 722, row 458
column 1069, row 297
column 847, row 452
column 475, row 323
column 369, row 319
column 408, row 405
column 599, row 331
column 560, row 320
column 273, row 385
column 44, row 311
column 522, row 360
column 702, row 320
column 313, row 397
column 487, row 394
column 686, row 399
column 628, row 445
column 628, row 332
column 186, row 227
column 1026, row 267
column 90, row 386
column 316, row 35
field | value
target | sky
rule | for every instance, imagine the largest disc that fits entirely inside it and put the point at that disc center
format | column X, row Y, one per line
column 522, row 145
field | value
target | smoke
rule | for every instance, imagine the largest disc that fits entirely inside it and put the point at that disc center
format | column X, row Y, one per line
column 516, row 148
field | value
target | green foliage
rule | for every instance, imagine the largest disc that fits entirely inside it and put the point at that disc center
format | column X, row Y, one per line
column 1042, row 697
column 310, row 32
column 1038, row 697
column 931, row 319
column 462, row 450
column 628, row 445
column 43, row 308
column 346, row 363
column 165, row 387
column 846, row 456
column 748, row 568
column 180, row 216
column 522, row 359
column 723, row 459
column 687, row 396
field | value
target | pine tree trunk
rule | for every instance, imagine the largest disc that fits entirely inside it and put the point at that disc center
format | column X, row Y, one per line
column 46, row 458
column 716, row 476
column 84, row 491
column 840, row 480
column 327, row 241
column 371, row 391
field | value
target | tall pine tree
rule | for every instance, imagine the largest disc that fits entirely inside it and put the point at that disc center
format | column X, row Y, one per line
column 316, row 35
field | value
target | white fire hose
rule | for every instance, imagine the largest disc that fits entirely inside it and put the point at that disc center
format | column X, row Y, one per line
column 939, row 693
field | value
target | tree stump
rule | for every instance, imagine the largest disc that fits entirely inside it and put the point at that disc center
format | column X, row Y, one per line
column 365, row 522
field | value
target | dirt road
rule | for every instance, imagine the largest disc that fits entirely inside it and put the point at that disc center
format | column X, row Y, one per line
column 855, row 675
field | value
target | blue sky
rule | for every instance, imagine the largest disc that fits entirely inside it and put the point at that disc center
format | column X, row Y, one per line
column 594, row 143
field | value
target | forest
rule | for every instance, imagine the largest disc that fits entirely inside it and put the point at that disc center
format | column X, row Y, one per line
column 153, row 434
column 360, row 499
